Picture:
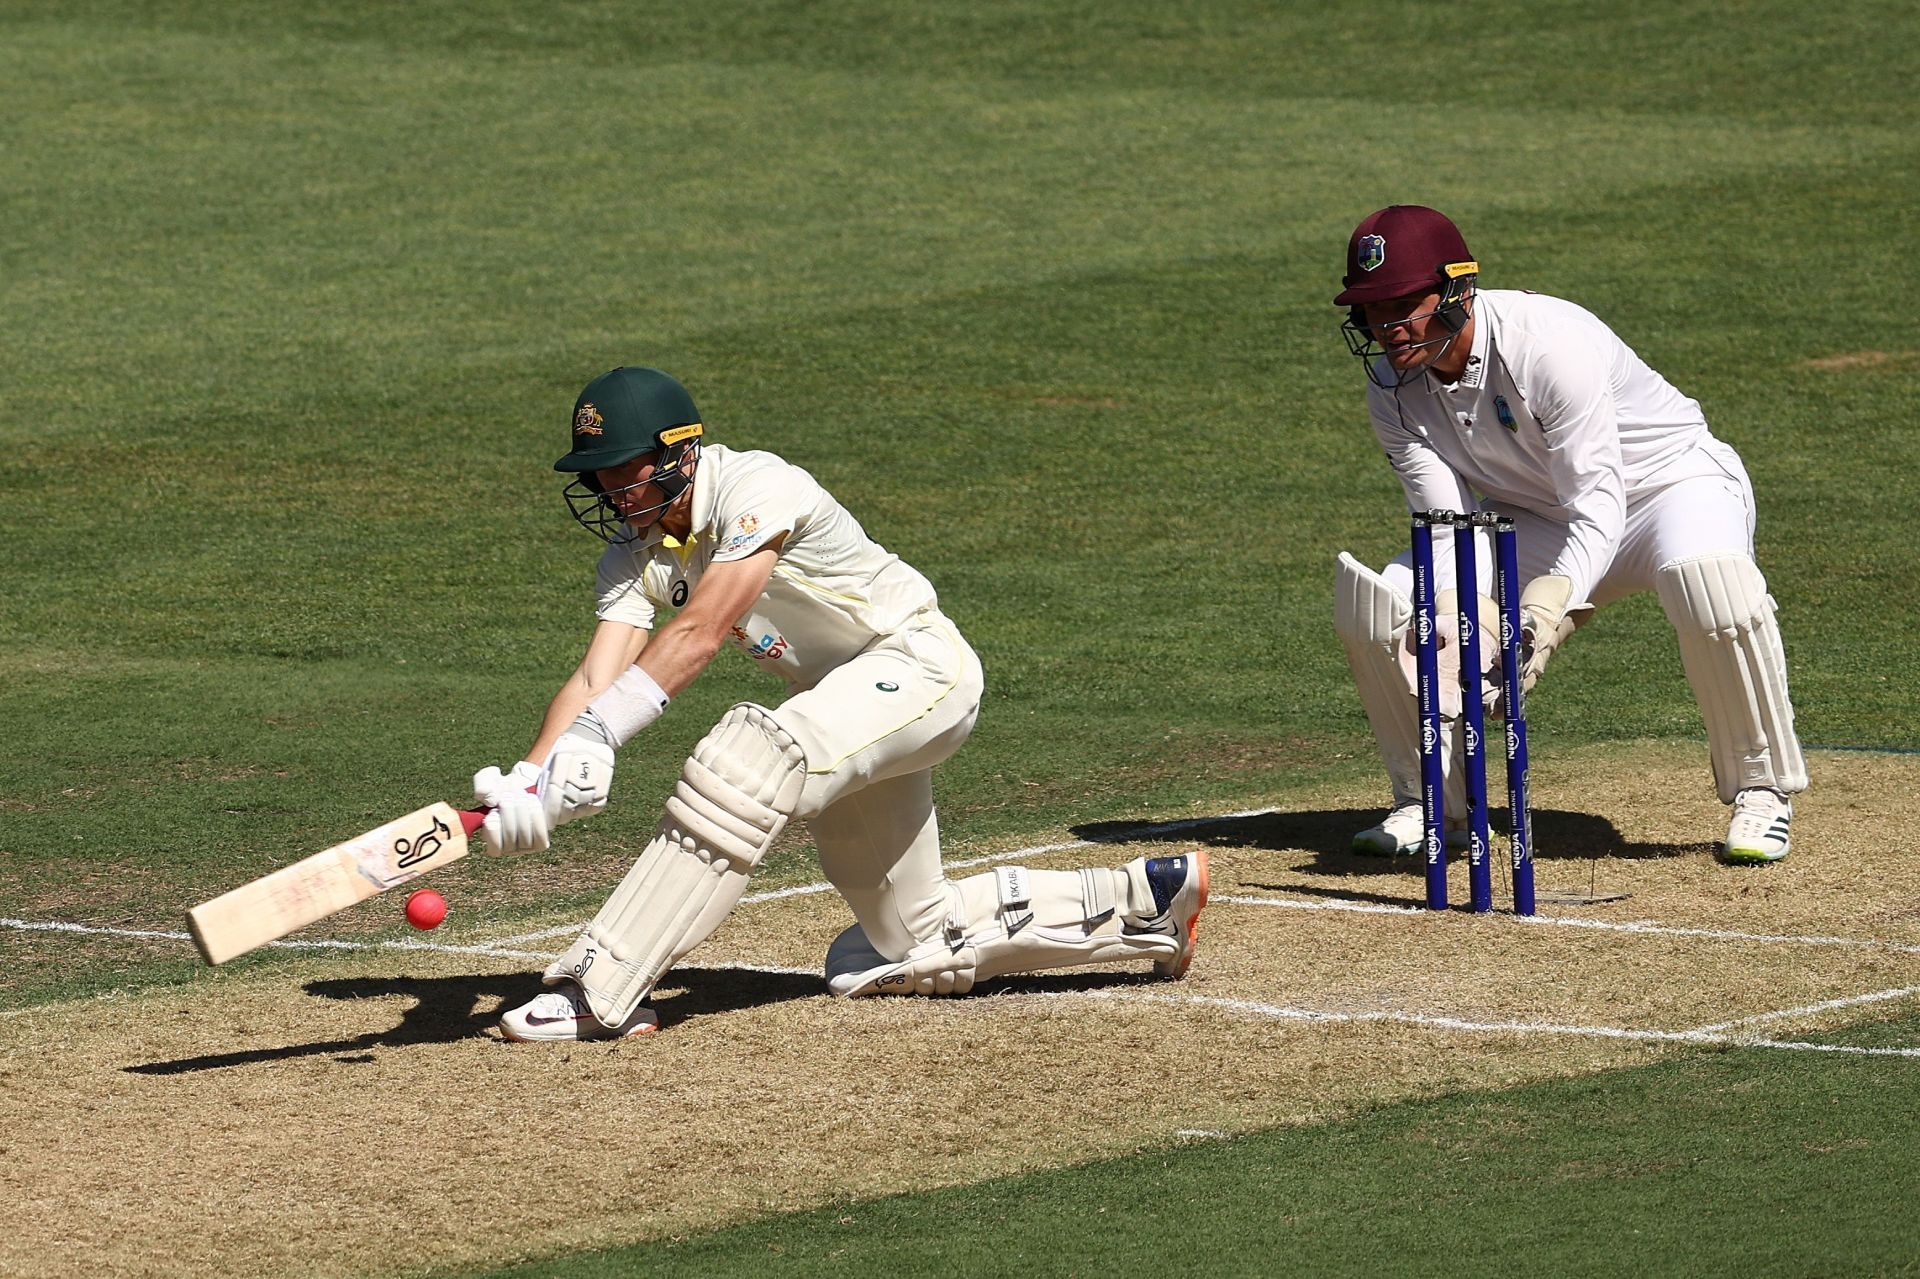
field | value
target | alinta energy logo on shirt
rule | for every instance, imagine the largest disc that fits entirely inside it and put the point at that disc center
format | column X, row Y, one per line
column 768, row 648
column 587, row 421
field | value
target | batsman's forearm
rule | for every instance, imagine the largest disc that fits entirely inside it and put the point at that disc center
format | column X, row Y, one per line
column 679, row 651
column 613, row 650
column 561, row 712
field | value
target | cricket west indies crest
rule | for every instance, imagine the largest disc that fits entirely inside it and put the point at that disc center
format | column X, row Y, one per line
column 1504, row 413
column 1373, row 252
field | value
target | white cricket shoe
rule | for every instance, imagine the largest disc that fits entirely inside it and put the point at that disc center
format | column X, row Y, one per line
column 1399, row 834
column 1179, row 886
column 1759, row 831
column 562, row 1014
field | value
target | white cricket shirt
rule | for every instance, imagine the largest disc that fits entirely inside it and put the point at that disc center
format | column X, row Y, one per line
column 834, row 590
column 1554, row 414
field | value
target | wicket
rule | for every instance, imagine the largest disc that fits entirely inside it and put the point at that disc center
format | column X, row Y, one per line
column 1472, row 717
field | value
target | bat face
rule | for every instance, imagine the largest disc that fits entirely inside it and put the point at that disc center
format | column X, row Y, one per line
column 397, row 852
column 331, row 880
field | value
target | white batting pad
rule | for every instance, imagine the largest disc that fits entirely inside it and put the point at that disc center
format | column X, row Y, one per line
column 1730, row 646
column 735, row 795
column 1007, row 920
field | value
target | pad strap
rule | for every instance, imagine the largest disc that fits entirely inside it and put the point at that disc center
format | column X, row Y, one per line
column 1016, row 898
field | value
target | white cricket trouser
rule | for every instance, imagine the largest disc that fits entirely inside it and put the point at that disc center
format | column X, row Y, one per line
column 1703, row 509
column 1706, row 509
column 872, row 731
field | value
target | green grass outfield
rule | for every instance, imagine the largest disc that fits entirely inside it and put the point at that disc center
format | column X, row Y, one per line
column 295, row 299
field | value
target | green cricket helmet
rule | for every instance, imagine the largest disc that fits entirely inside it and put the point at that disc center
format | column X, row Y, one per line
column 622, row 415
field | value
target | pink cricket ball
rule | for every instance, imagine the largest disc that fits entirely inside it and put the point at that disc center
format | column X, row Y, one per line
column 426, row 908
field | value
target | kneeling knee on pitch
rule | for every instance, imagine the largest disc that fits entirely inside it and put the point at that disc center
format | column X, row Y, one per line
column 1013, row 920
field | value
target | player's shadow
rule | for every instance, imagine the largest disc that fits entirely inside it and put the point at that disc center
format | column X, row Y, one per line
column 1558, row 836
column 448, row 1009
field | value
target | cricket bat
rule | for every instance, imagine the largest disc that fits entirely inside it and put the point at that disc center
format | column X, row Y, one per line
column 311, row 889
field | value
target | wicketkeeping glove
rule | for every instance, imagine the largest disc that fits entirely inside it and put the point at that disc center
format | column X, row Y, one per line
column 1446, row 624
column 518, row 820
column 579, row 778
column 1544, row 624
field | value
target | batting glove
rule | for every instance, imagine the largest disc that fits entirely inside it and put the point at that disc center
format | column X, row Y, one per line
column 579, row 778
column 517, row 822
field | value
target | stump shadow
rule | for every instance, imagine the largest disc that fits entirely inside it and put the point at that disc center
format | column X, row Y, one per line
column 1558, row 835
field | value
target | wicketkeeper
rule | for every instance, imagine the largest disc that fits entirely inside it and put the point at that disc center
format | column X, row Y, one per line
column 1531, row 406
column 748, row 549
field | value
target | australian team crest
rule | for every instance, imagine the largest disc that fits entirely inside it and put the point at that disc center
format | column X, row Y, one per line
column 587, row 421
column 1373, row 252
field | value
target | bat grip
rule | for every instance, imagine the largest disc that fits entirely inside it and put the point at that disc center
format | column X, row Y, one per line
column 471, row 818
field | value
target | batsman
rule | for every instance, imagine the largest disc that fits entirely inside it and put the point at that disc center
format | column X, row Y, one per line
column 1531, row 406
column 744, row 548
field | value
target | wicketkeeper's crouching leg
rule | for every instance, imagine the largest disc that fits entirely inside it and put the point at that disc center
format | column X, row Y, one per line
column 1372, row 619
column 1730, row 645
column 735, row 795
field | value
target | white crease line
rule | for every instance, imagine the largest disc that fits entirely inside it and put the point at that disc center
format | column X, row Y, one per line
column 482, row 948
column 1852, row 1001
column 56, row 926
column 1702, row 1035
column 405, row 943
column 1561, row 921
column 808, row 890
column 667, row 980
column 1281, row 1013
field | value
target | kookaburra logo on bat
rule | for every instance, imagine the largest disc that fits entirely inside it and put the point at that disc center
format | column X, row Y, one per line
column 408, row 852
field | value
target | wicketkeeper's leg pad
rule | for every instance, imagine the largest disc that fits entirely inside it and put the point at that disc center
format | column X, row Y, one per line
column 1371, row 619
column 1009, row 920
column 1730, row 646
column 735, row 795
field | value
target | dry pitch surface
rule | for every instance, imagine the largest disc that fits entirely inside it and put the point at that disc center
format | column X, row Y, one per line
column 328, row 1117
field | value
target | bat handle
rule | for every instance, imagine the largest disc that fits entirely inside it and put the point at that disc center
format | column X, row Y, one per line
column 471, row 818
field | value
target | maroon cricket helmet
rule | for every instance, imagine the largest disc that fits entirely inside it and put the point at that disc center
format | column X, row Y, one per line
column 1400, row 250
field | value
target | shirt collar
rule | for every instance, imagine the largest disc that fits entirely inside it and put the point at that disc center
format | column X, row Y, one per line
column 706, row 481
column 1475, row 374
column 703, row 499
